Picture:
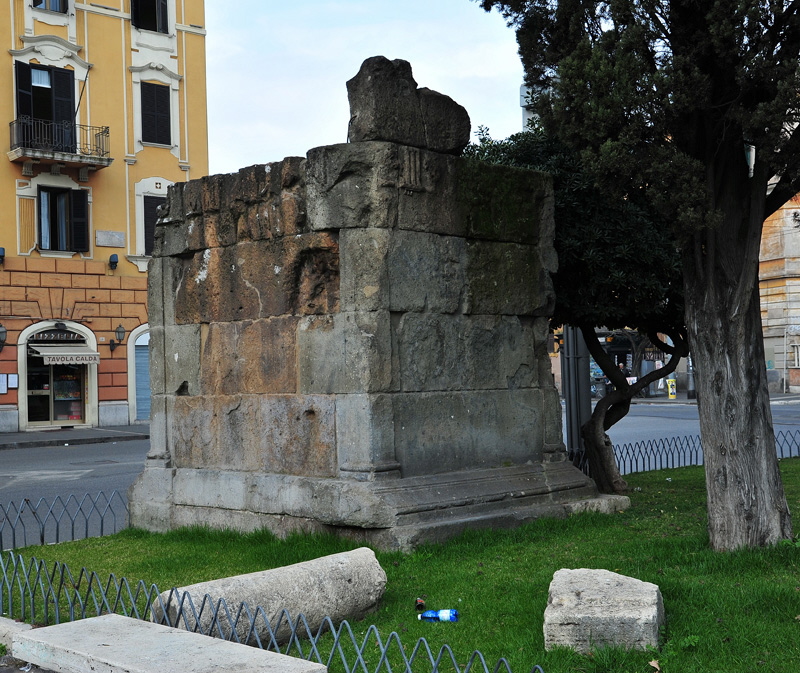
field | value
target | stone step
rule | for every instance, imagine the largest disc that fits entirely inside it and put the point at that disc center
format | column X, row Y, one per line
column 116, row 644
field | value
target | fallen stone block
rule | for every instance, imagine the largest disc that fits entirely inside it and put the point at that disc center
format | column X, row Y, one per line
column 340, row 586
column 117, row 644
column 587, row 609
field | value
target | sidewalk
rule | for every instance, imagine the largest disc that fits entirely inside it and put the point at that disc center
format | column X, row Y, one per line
column 681, row 398
column 63, row 437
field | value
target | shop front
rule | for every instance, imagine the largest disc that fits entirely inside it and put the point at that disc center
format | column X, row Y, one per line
column 58, row 377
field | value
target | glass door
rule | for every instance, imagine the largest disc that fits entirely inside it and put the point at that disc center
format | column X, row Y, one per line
column 68, row 393
column 55, row 393
column 38, row 391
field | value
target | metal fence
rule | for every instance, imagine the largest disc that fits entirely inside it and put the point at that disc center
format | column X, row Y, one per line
column 73, row 518
column 41, row 593
column 662, row 454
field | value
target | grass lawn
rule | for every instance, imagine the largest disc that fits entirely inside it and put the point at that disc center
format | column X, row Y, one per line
column 726, row 612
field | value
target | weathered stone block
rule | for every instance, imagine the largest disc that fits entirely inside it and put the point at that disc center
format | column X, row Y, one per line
column 273, row 205
column 373, row 326
column 385, row 104
column 250, row 356
column 364, row 269
column 284, row 434
column 507, row 279
column 182, row 359
column 150, row 498
column 427, row 182
column 345, row 353
column 444, row 431
column 159, row 454
column 587, row 609
column 365, row 437
column 296, row 275
column 157, row 361
column 447, row 124
column 426, row 272
column 352, row 186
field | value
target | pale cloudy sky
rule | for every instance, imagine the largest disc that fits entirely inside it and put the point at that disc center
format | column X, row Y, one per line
column 277, row 68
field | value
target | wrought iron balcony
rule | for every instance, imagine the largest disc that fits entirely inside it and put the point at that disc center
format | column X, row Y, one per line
column 59, row 142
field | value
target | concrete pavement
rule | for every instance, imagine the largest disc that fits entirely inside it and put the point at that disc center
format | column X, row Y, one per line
column 63, row 436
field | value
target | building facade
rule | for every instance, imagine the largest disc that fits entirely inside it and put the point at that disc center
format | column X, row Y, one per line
column 106, row 107
column 779, row 285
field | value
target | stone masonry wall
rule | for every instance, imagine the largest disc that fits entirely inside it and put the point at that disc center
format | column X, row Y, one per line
column 406, row 311
column 357, row 339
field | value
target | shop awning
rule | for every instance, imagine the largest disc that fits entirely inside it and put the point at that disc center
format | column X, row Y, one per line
column 73, row 354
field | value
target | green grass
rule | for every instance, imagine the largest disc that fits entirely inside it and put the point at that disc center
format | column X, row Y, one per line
column 726, row 612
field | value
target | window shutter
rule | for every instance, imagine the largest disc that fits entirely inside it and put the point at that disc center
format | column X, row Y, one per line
column 151, row 204
column 79, row 220
column 24, row 89
column 155, row 113
column 64, row 108
column 163, row 17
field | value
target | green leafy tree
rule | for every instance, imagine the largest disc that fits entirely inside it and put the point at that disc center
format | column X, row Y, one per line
column 618, row 268
column 692, row 105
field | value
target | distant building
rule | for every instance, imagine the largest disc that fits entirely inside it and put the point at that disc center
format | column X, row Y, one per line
column 106, row 106
column 779, row 285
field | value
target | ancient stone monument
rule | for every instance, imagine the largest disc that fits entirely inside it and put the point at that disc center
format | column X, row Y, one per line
column 357, row 340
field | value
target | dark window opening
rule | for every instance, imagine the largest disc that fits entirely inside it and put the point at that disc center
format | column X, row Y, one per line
column 150, row 15
column 156, row 126
column 63, row 219
column 151, row 204
column 52, row 5
column 45, row 107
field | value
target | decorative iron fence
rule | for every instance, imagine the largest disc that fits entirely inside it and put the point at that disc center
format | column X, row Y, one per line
column 43, row 594
column 62, row 520
column 662, row 454
column 63, row 136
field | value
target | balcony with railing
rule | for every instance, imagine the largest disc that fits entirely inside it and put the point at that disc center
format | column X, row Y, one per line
column 62, row 142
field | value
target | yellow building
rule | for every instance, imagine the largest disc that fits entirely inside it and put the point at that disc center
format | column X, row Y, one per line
column 106, row 107
column 779, row 285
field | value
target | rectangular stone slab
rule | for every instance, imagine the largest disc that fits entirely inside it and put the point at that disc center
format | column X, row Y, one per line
column 116, row 644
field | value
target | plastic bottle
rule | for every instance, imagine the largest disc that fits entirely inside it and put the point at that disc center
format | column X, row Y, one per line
column 439, row 616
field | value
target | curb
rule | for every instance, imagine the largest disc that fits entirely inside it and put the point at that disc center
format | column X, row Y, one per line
column 31, row 444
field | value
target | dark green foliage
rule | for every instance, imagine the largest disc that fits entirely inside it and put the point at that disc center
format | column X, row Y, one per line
column 618, row 266
column 655, row 93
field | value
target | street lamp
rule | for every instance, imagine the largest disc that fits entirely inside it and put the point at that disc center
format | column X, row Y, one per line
column 120, row 334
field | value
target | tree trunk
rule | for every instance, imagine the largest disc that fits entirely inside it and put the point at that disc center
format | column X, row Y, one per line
column 746, row 502
column 599, row 449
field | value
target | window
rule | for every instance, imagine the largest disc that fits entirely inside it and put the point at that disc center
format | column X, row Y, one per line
column 52, row 5
column 45, row 107
column 151, row 204
column 63, row 219
column 155, row 113
column 150, row 15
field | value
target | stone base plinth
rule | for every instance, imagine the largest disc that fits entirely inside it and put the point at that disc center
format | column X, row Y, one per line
column 397, row 514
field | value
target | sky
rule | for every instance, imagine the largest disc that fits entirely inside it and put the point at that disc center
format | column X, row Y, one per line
column 277, row 68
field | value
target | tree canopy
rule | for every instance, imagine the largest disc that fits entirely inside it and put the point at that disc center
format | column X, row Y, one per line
column 691, row 106
column 619, row 266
